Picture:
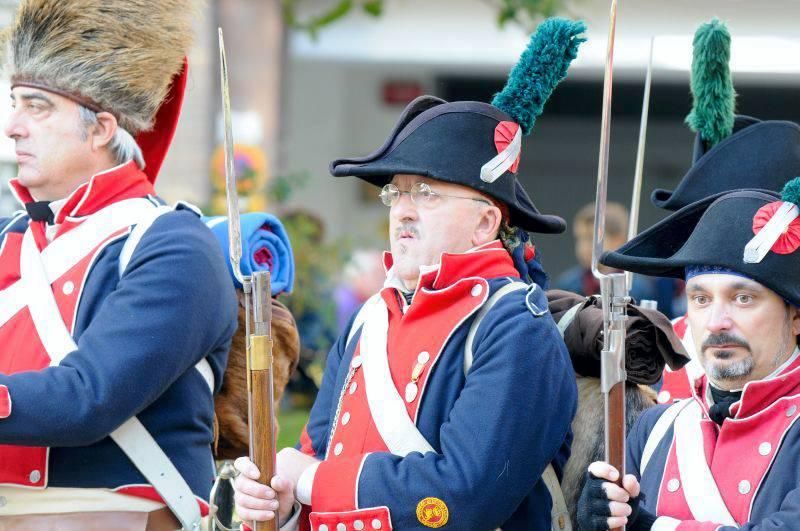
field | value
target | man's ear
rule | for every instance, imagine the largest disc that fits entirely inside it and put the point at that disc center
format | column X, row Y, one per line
column 794, row 314
column 488, row 225
column 103, row 131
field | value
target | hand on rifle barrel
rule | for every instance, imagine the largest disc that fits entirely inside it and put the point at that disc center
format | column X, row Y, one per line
column 605, row 505
column 255, row 501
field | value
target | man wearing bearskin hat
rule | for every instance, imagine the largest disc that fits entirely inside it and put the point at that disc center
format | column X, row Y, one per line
column 730, row 152
column 111, row 352
column 437, row 404
column 725, row 458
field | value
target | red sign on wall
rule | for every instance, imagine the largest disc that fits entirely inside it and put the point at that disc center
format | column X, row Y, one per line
column 401, row 92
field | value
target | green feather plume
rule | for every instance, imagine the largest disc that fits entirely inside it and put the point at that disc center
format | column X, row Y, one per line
column 712, row 87
column 791, row 191
column 540, row 68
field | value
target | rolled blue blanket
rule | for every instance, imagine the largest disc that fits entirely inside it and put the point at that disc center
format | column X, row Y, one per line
column 265, row 247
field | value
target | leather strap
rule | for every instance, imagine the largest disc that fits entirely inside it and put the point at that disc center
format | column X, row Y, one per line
column 658, row 432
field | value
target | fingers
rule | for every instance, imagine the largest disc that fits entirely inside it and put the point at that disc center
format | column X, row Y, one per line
column 247, row 468
column 631, row 485
column 248, row 515
column 615, row 493
column 616, row 522
column 253, row 503
column 253, row 488
column 619, row 509
column 603, row 470
column 281, row 485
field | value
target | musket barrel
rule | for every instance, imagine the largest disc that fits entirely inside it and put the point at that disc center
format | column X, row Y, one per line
column 262, row 303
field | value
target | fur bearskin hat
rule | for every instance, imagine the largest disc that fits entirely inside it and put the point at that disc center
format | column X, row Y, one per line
column 118, row 56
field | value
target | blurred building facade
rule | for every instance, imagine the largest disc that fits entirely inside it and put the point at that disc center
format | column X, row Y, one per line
column 305, row 101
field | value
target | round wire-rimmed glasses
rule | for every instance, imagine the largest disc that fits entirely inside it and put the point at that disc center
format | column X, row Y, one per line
column 421, row 194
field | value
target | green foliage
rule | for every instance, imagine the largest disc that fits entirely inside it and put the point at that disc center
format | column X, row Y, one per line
column 291, row 422
column 338, row 10
column 317, row 264
column 373, row 7
column 791, row 191
column 526, row 13
column 540, row 68
column 281, row 187
column 712, row 86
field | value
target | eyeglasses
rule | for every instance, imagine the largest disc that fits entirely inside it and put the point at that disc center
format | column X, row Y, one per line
column 421, row 194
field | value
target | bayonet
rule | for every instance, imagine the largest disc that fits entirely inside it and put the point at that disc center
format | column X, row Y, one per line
column 636, row 197
column 231, row 191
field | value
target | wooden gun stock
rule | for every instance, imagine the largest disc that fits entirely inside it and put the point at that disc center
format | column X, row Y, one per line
column 260, row 387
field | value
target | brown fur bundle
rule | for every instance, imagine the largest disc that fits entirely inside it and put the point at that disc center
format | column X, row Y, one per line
column 588, row 429
column 119, row 54
column 231, row 404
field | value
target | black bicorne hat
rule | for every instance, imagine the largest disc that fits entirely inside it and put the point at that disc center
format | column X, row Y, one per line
column 731, row 152
column 759, row 154
column 476, row 144
column 454, row 142
column 714, row 232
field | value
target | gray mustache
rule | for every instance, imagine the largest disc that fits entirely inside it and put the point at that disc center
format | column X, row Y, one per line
column 724, row 339
column 406, row 227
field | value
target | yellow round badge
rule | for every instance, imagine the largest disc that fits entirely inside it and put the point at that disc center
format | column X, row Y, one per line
column 432, row 512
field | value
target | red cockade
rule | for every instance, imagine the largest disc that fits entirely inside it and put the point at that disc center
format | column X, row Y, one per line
column 789, row 241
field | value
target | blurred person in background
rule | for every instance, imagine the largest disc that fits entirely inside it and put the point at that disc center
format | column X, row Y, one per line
column 363, row 277
column 579, row 278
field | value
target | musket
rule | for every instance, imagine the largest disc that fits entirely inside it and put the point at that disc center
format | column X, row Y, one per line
column 613, row 287
column 260, row 401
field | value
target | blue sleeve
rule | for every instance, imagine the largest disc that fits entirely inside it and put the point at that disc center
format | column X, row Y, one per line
column 314, row 438
column 174, row 305
column 637, row 438
column 510, row 421
column 18, row 221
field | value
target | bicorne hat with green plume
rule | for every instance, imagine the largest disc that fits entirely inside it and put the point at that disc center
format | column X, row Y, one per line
column 731, row 152
column 753, row 233
column 476, row 144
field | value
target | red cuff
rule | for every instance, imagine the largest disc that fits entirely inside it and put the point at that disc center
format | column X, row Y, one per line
column 366, row 519
column 5, row 402
column 335, row 484
column 305, row 443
